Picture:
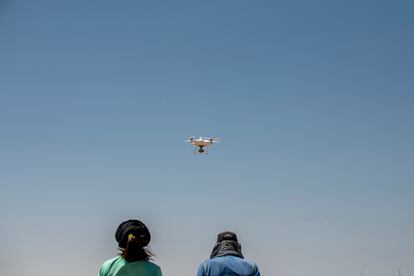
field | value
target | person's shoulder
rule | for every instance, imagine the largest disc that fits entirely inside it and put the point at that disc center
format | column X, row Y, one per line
column 154, row 268
column 253, row 265
column 152, row 265
column 250, row 262
column 108, row 264
column 111, row 261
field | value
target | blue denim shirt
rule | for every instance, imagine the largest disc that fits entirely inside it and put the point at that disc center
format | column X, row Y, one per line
column 228, row 266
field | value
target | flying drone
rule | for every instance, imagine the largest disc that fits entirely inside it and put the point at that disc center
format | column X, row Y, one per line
column 201, row 143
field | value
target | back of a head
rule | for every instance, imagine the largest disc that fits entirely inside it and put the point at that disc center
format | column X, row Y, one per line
column 227, row 244
column 132, row 237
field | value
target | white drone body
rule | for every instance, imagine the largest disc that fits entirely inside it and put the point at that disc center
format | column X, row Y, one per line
column 202, row 143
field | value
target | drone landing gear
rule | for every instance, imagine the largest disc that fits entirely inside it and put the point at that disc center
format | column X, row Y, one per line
column 200, row 149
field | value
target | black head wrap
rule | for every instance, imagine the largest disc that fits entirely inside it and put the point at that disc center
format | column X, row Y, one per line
column 134, row 227
column 227, row 244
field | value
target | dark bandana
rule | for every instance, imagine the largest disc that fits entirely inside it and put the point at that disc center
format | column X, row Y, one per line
column 135, row 227
column 227, row 244
column 226, row 248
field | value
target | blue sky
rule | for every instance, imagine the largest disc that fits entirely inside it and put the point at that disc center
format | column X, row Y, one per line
column 313, row 101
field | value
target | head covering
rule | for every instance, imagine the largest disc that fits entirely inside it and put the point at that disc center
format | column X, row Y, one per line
column 227, row 244
column 134, row 227
column 227, row 236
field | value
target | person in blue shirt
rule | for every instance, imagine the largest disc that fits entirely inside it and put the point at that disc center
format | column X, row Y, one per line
column 226, row 259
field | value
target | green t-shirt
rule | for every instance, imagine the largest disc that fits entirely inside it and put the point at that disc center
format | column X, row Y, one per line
column 119, row 267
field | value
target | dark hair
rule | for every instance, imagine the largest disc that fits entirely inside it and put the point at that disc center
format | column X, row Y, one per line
column 134, row 251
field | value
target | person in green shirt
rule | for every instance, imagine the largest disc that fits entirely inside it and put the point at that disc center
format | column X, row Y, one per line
column 134, row 260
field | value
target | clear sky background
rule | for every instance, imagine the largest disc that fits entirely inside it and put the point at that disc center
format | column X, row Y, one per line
column 313, row 101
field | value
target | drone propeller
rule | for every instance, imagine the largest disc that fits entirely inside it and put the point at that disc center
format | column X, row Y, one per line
column 190, row 139
column 214, row 140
